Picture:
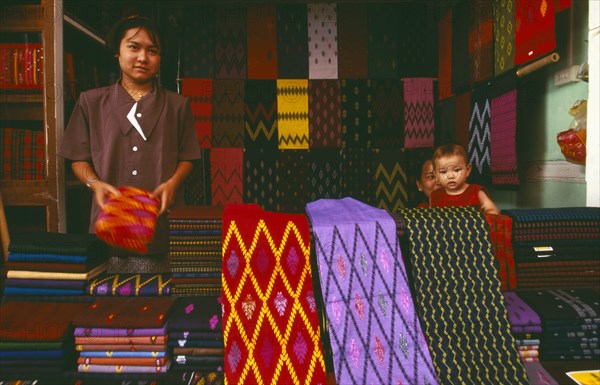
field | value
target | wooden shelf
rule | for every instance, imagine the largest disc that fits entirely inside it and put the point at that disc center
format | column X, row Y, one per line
column 26, row 193
column 23, row 18
column 12, row 97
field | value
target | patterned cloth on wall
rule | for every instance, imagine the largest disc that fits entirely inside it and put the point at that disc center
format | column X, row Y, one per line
column 481, row 52
column 262, row 41
column 198, row 47
column 479, row 135
column 445, row 55
column 374, row 329
column 292, row 41
column 383, row 40
column 226, row 175
column 294, row 184
column 326, row 174
column 357, row 116
column 228, row 113
column 196, row 187
column 388, row 117
column 504, row 35
column 463, row 117
column 352, row 40
column 445, row 121
column 260, row 115
column 230, row 42
column 419, row 121
column 270, row 324
column 459, row 299
column 324, row 113
column 261, row 178
column 200, row 95
column 460, row 47
column 534, row 30
column 390, row 181
column 503, row 129
column 23, row 154
column 417, row 40
column 359, row 170
column 292, row 114
column 322, row 39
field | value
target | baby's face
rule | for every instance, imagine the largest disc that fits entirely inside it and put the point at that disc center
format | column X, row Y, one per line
column 452, row 172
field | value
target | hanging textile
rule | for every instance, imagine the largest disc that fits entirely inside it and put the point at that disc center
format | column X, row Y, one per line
column 262, row 41
column 504, row 35
column 418, row 112
column 294, row 186
column 383, row 40
column 460, row 47
column 459, row 299
column 324, row 114
column 535, row 36
column 230, row 42
column 390, row 181
column 388, row 119
column 270, row 323
column 260, row 115
column 322, row 41
column 358, row 170
column 417, row 40
column 200, row 95
column 352, row 40
column 261, row 178
column 292, row 41
column 374, row 329
column 479, row 136
column 292, row 117
column 228, row 113
column 198, row 46
column 196, row 187
column 445, row 121
column 481, row 52
column 326, row 173
column 357, row 114
column 445, row 55
column 226, row 176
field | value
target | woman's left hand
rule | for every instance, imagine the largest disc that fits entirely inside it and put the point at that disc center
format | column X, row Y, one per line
column 165, row 192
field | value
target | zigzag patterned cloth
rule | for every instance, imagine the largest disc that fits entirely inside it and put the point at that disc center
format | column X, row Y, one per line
column 292, row 41
column 260, row 115
column 504, row 35
column 353, row 44
column 390, row 181
column 226, row 175
column 270, row 323
column 262, row 41
column 292, row 117
column 418, row 112
column 357, row 116
column 230, row 42
column 479, row 136
column 200, row 94
column 130, row 285
column 322, row 35
column 374, row 329
column 388, row 120
column 324, row 114
column 459, row 299
column 228, row 113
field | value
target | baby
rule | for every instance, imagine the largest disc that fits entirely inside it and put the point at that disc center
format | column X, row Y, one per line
column 452, row 171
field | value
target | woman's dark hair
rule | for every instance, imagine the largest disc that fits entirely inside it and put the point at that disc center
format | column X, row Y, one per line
column 115, row 35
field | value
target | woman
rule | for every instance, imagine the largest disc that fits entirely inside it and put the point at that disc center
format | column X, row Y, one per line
column 426, row 182
column 133, row 133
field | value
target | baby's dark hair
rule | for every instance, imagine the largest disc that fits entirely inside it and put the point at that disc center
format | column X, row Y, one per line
column 115, row 35
column 449, row 149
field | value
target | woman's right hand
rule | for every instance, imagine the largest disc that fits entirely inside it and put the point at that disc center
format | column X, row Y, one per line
column 103, row 191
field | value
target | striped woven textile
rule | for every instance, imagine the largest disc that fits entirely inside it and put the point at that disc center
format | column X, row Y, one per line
column 458, row 295
column 270, row 324
column 374, row 329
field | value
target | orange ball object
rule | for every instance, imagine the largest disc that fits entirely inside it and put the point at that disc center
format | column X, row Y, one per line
column 128, row 221
column 572, row 144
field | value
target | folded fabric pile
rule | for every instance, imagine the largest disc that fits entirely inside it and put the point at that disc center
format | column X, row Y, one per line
column 196, row 335
column 556, row 247
column 129, row 285
column 123, row 335
column 36, row 339
column 570, row 321
column 195, row 250
column 500, row 229
column 525, row 326
column 53, row 264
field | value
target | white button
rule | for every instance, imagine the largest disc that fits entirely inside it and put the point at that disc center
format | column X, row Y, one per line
column 134, row 172
column 139, row 114
column 134, row 148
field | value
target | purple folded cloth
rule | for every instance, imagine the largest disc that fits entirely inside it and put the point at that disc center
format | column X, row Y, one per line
column 519, row 313
column 120, row 332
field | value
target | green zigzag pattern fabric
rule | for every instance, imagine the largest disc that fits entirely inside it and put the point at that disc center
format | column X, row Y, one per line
column 459, row 298
column 390, row 181
column 260, row 115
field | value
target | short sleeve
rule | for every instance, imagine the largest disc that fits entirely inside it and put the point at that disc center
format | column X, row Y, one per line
column 76, row 139
column 189, row 149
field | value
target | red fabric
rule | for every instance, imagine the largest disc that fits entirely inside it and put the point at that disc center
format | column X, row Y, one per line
column 270, row 324
column 262, row 42
column 445, row 56
column 469, row 197
column 226, row 175
column 463, row 116
column 200, row 94
column 534, row 29
column 128, row 220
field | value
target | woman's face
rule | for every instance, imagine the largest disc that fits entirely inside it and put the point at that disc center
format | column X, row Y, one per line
column 427, row 181
column 139, row 57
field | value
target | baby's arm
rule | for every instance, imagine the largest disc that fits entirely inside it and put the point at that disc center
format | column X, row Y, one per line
column 487, row 206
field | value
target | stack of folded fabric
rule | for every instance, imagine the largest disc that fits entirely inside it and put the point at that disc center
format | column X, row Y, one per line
column 36, row 340
column 53, row 264
column 570, row 321
column 196, row 336
column 525, row 326
column 556, row 247
column 195, row 250
column 123, row 335
column 130, row 285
